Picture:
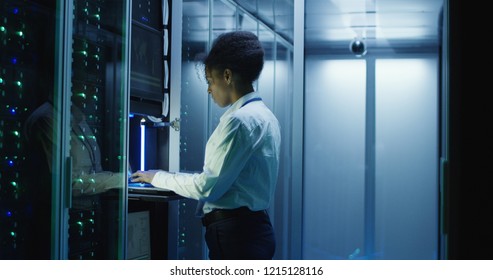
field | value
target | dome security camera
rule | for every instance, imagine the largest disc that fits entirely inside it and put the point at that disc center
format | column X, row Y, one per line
column 358, row 47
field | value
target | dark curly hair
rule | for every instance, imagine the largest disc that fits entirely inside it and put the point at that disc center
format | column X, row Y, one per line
column 240, row 51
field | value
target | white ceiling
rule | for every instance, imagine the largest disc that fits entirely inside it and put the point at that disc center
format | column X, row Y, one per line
column 332, row 22
column 379, row 21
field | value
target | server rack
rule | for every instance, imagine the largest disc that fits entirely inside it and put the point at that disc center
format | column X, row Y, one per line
column 63, row 136
column 81, row 68
column 22, row 42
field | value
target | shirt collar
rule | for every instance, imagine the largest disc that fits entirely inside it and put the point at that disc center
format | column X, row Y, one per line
column 238, row 103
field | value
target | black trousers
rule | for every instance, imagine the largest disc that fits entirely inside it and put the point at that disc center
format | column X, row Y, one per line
column 242, row 237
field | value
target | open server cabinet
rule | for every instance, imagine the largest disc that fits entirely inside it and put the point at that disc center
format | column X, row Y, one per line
column 76, row 78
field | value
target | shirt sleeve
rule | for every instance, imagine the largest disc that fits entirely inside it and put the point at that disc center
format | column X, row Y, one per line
column 225, row 158
column 96, row 183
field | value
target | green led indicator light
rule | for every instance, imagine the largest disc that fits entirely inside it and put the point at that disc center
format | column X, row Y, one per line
column 18, row 83
column 81, row 94
column 3, row 29
column 16, row 133
column 20, row 33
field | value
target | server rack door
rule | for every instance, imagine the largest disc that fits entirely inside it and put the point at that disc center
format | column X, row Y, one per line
column 97, row 128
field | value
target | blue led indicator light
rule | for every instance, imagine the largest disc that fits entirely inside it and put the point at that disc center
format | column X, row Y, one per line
column 142, row 143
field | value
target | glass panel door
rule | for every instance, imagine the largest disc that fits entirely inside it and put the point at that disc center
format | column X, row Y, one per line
column 371, row 159
column 97, row 141
column 334, row 165
column 406, row 158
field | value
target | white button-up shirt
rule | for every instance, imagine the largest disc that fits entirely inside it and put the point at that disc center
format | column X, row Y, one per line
column 241, row 161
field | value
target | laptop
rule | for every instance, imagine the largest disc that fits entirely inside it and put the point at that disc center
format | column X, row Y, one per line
column 148, row 189
column 145, row 188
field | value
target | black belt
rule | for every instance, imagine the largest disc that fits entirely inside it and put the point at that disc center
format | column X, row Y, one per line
column 221, row 214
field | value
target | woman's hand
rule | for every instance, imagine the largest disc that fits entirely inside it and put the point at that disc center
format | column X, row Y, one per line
column 143, row 176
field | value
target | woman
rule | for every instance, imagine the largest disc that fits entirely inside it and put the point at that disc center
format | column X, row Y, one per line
column 241, row 162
